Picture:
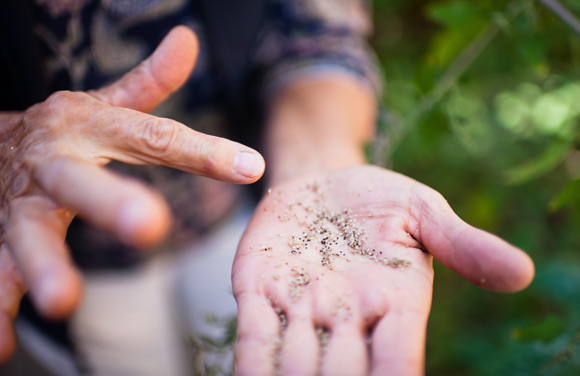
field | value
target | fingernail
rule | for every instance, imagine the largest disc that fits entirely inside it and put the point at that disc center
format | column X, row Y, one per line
column 142, row 221
column 46, row 292
column 248, row 164
column 131, row 216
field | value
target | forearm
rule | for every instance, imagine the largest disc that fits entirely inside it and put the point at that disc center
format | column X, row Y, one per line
column 318, row 124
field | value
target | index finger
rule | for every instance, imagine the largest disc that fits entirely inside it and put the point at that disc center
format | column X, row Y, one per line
column 134, row 137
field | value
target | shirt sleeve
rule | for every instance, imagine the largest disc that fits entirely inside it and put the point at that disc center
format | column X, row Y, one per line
column 317, row 37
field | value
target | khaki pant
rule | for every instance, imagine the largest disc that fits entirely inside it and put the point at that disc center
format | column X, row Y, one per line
column 142, row 322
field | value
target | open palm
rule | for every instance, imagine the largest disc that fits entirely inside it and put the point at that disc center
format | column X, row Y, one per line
column 334, row 273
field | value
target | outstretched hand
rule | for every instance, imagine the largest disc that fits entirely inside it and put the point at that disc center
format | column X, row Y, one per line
column 334, row 273
column 51, row 170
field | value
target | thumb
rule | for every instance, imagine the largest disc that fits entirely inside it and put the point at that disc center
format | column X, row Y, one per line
column 478, row 256
column 157, row 77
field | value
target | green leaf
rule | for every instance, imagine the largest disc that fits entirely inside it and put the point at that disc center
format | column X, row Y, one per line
column 455, row 14
column 547, row 161
column 462, row 22
column 545, row 331
column 533, row 50
column 568, row 196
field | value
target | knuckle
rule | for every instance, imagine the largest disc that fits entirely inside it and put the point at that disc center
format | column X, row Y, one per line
column 157, row 135
column 208, row 151
column 60, row 97
column 11, row 278
column 212, row 155
column 62, row 102
column 52, row 173
column 20, row 185
column 53, row 111
column 13, row 286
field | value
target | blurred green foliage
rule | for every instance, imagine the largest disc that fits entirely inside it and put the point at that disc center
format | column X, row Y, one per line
column 213, row 354
column 482, row 103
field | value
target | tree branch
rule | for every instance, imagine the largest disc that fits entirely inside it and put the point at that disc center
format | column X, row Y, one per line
column 563, row 14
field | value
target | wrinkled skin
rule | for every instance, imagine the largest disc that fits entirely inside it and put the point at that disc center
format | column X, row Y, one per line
column 375, row 315
column 51, row 170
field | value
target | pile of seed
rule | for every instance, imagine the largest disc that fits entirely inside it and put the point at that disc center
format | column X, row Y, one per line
column 327, row 232
column 300, row 279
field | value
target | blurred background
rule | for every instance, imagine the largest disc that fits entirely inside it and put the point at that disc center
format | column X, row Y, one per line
column 482, row 103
